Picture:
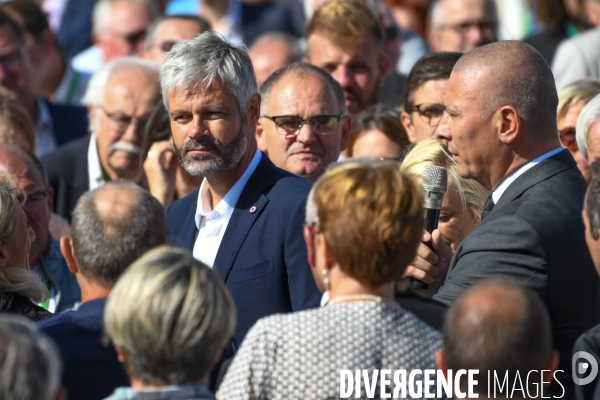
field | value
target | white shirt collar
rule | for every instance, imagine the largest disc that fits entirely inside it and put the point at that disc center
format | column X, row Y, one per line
column 226, row 206
column 95, row 176
column 506, row 182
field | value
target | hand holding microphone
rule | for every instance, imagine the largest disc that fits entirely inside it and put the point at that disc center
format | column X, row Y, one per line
column 433, row 185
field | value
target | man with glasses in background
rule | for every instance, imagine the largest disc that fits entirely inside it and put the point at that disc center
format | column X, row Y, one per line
column 44, row 256
column 120, row 98
column 167, row 30
column 461, row 25
column 304, row 122
column 424, row 97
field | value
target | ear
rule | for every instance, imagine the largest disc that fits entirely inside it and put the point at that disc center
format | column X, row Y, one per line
column 261, row 139
column 121, row 356
column 330, row 260
column 346, row 129
column 410, row 129
column 441, row 362
column 66, row 249
column 551, row 365
column 384, row 67
column 253, row 110
column 509, row 124
column 310, row 247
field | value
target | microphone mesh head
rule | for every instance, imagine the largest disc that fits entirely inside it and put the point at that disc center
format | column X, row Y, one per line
column 435, row 176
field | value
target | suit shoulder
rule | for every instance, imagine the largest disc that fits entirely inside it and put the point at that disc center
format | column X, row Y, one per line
column 67, row 152
column 290, row 184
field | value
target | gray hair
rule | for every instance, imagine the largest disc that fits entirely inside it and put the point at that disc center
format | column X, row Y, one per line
column 103, row 8
column 112, row 226
column 592, row 202
column 151, row 32
column 30, row 364
column 199, row 61
column 171, row 315
column 302, row 69
column 587, row 117
column 94, row 94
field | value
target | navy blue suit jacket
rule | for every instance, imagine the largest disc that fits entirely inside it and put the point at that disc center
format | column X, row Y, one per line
column 262, row 257
column 70, row 122
column 91, row 369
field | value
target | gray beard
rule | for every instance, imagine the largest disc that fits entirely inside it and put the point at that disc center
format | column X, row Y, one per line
column 227, row 155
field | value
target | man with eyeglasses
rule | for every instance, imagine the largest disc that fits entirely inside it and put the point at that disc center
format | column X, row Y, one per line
column 304, row 122
column 44, row 256
column 461, row 25
column 119, row 28
column 167, row 30
column 55, row 124
column 120, row 98
column 424, row 97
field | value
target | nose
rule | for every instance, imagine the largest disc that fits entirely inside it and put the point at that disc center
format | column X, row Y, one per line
column 133, row 133
column 442, row 131
column 306, row 134
column 475, row 34
column 343, row 76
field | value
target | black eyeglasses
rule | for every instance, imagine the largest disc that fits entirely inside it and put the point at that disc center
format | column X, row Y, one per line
column 430, row 112
column 289, row 125
column 121, row 121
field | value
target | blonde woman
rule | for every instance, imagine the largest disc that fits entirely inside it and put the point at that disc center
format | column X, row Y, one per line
column 363, row 224
column 18, row 286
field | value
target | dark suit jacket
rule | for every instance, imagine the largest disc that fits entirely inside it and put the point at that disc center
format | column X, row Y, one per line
column 262, row 257
column 75, row 32
column 67, row 169
column 535, row 235
column 70, row 122
column 91, row 369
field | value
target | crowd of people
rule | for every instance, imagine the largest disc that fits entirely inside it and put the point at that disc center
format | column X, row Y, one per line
column 225, row 199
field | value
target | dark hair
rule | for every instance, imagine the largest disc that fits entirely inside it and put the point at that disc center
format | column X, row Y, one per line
column 29, row 15
column 592, row 199
column 158, row 128
column 302, row 68
column 430, row 67
column 385, row 120
column 106, row 243
column 514, row 337
column 151, row 32
column 6, row 20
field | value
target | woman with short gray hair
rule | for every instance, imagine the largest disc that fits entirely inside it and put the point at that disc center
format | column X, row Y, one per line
column 169, row 317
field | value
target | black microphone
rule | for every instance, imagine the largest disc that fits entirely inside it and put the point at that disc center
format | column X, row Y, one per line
column 434, row 185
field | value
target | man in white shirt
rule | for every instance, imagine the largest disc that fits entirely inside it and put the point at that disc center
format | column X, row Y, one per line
column 504, row 136
column 246, row 219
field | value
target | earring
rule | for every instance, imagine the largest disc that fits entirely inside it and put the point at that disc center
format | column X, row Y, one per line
column 325, row 279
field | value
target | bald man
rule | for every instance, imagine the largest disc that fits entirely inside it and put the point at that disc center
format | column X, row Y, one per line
column 504, row 136
column 271, row 51
column 461, row 25
column 521, row 340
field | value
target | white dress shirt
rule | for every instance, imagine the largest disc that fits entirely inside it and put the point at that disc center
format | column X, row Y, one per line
column 95, row 176
column 212, row 223
column 506, row 182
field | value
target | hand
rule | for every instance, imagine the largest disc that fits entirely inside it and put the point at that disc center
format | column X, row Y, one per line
column 431, row 266
column 160, row 168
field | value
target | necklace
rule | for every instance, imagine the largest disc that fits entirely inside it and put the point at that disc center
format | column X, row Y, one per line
column 355, row 297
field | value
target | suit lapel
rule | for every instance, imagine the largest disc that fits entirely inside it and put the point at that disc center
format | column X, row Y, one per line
column 544, row 170
column 242, row 218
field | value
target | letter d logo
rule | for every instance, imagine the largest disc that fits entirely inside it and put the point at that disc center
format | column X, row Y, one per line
column 582, row 367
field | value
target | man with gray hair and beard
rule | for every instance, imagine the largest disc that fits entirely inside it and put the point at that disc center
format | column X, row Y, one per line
column 120, row 98
column 246, row 219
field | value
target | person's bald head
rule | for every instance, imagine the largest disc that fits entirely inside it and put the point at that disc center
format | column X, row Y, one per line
column 512, row 73
column 112, row 226
column 272, row 51
column 512, row 335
